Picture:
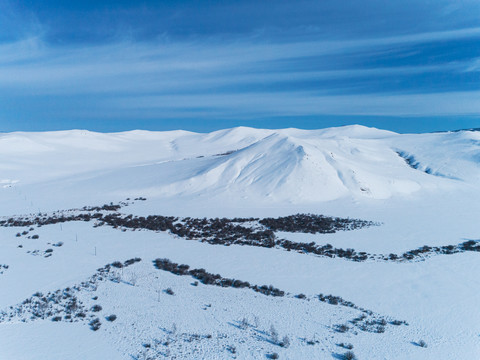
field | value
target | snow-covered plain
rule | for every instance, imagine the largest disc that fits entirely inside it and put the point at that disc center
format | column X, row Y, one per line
column 421, row 189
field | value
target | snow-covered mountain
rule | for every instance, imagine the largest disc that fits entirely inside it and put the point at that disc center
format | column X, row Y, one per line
column 289, row 165
column 411, row 189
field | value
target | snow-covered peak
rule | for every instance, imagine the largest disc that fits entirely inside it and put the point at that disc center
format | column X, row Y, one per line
column 287, row 165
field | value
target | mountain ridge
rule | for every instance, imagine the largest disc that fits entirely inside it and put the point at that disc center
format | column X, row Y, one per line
column 286, row 165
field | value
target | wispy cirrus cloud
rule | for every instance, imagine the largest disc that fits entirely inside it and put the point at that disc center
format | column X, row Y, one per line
column 418, row 73
column 303, row 104
column 33, row 62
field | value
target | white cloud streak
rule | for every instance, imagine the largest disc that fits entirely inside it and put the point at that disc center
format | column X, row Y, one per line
column 302, row 104
column 187, row 75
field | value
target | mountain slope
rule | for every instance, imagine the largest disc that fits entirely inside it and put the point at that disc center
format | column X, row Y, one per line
column 272, row 165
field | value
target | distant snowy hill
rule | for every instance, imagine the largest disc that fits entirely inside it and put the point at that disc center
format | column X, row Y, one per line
column 290, row 165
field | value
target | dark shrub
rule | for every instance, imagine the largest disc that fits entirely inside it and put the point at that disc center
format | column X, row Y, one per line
column 96, row 308
column 349, row 355
column 169, row 291
column 132, row 261
column 111, row 317
column 285, row 342
column 95, row 324
column 422, row 343
column 342, row 328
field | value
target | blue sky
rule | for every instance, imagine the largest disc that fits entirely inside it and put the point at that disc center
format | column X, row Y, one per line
column 407, row 66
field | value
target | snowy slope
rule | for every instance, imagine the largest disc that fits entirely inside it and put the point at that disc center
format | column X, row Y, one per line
column 268, row 165
column 421, row 189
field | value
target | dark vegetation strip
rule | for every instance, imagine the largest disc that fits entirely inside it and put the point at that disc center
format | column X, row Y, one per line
column 196, row 228
column 213, row 279
column 413, row 163
column 350, row 254
column 243, row 231
column 368, row 321
column 309, row 223
column 64, row 305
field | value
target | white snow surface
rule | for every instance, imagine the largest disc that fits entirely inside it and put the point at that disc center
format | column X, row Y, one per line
column 351, row 171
